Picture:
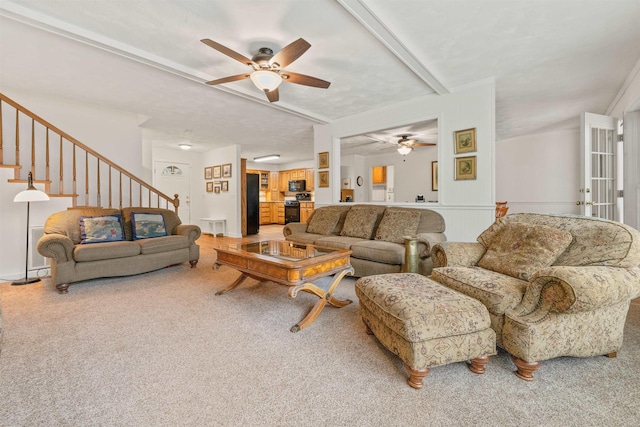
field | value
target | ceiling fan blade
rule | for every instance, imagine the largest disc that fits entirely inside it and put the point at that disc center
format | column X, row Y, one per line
column 230, row 53
column 290, row 53
column 229, row 79
column 273, row 95
column 302, row 79
column 423, row 144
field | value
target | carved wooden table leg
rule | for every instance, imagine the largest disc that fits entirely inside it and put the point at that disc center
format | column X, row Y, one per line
column 525, row 369
column 325, row 295
column 232, row 286
column 416, row 376
column 477, row 365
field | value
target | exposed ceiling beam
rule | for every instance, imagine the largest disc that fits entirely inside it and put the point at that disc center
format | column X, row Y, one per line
column 47, row 23
column 371, row 22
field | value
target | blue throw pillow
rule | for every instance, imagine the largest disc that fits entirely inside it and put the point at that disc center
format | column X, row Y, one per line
column 99, row 229
column 147, row 225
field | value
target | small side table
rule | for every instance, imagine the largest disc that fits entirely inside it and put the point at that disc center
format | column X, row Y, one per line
column 210, row 225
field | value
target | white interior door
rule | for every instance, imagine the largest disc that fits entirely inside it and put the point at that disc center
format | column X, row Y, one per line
column 600, row 167
column 174, row 178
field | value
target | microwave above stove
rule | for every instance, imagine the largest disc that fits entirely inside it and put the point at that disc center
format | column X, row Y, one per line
column 297, row 185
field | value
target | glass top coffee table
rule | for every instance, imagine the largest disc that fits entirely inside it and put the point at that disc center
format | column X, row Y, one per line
column 307, row 268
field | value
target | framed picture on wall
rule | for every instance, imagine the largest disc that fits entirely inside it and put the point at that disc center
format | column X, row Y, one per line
column 217, row 172
column 209, row 187
column 323, row 160
column 208, row 172
column 323, row 179
column 216, row 187
column 224, row 185
column 434, row 176
column 465, row 141
column 226, row 170
column 465, row 168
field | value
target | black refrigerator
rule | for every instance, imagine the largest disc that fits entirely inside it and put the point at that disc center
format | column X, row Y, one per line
column 253, row 203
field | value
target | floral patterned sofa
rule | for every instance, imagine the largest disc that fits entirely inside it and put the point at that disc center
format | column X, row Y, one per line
column 554, row 285
column 375, row 234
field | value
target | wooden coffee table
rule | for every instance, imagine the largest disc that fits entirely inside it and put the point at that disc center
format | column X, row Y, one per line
column 307, row 268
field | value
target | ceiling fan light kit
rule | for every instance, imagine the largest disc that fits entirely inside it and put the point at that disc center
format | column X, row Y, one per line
column 267, row 68
column 404, row 149
column 266, row 80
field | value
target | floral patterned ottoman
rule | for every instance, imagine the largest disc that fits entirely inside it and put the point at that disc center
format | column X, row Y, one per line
column 424, row 323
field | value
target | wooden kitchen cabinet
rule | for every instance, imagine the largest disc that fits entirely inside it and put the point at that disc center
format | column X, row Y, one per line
column 280, row 213
column 274, row 212
column 306, row 208
column 265, row 213
column 283, row 179
column 308, row 176
column 379, row 175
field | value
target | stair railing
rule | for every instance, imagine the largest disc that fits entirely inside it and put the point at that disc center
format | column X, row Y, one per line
column 67, row 167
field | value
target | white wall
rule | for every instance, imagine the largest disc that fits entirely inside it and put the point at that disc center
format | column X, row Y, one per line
column 472, row 106
column 539, row 173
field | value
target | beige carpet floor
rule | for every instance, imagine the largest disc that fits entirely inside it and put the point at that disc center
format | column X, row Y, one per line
column 160, row 349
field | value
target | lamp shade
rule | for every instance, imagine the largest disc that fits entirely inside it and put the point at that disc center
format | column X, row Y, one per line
column 404, row 150
column 31, row 194
column 266, row 80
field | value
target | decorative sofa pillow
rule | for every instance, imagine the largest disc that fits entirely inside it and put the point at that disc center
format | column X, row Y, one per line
column 396, row 223
column 147, row 225
column 360, row 222
column 100, row 229
column 323, row 221
column 520, row 249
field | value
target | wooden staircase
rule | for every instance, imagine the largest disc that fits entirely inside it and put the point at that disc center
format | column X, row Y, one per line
column 66, row 167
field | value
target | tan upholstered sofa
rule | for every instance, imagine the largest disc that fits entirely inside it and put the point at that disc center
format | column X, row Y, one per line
column 554, row 285
column 375, row 235
column 73, row 261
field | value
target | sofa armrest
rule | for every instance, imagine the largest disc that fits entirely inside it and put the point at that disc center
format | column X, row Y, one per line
column 563, row 289
column 426, row 241
column 447, row 254
column 57, row 247
column 191, row 231
column 294, row 227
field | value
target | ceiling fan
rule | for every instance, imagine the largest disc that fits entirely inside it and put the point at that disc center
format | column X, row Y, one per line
column 406, row 145
column 268, row 69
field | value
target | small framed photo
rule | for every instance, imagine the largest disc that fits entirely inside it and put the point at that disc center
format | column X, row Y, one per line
column 323, row 179
column 465, row 168
column 216, row 187
column 226, row 170
column 465, row 141
column 208, row 173
column 224, row 185
column 217, row 172
column 209, row 187
column 323, row 160
column 434, row 176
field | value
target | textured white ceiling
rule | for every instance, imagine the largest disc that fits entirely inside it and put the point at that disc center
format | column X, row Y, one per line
column 551, row 61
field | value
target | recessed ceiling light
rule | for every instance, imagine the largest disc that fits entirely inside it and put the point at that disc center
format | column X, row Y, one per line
column 265, row 158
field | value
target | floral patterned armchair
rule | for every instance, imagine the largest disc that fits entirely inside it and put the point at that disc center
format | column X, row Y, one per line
column 554, row 285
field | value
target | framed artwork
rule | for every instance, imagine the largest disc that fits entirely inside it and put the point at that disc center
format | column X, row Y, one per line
column 208, row 173
column 226, row 170
column 217, row 172
column 465, row 167
column 209, row 187
column 323, row 179
column 465, row 141
column 216, row 187
column 224, row 185
column 434, row 176
column 323, row 160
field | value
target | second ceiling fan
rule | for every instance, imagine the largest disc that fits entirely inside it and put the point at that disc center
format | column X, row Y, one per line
column 268, row 69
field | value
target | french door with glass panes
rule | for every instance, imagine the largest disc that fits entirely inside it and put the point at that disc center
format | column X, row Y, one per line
column 601, row 167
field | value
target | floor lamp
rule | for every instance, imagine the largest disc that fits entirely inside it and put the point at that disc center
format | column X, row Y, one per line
column 31, row 194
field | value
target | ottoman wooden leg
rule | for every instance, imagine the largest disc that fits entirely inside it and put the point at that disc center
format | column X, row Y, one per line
column 416, row 376
column 477, row 365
